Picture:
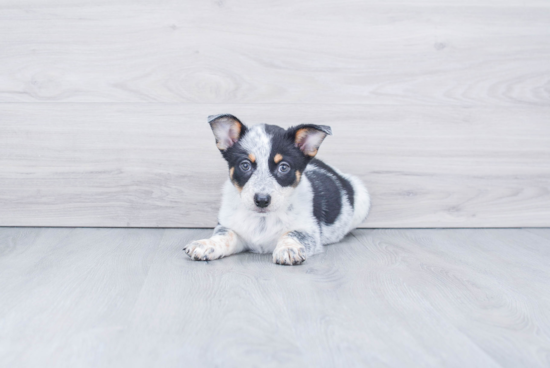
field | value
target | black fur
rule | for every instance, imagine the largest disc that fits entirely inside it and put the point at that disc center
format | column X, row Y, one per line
column 346, row 185
column 234, row 155
column 327, row 202
column 283, row 144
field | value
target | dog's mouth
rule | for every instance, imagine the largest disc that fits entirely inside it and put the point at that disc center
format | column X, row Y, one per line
column 261, row 210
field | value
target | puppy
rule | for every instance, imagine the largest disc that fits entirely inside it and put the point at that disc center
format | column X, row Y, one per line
column 279, row 198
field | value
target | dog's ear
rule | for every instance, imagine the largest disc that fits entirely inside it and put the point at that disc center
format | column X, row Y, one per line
column 227, row 129
column 308, row 137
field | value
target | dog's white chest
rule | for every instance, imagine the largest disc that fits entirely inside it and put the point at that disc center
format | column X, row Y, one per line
column 259, row 232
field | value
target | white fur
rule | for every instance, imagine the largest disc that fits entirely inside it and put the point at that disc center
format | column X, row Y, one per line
column 261, row 231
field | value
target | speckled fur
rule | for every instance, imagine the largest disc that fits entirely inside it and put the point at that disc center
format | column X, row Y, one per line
column 288, row 227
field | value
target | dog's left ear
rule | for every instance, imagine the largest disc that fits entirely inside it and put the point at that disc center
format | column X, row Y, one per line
column 227, row 129
column 308, row 137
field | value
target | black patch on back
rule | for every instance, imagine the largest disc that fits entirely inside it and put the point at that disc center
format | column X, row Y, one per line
column 327, row 200
column 283, row 143
column 346, row 185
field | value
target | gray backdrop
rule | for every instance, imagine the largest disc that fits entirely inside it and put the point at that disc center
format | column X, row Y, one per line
column 442, row 108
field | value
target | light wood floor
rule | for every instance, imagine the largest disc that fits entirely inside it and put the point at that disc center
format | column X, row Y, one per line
column 396, row 298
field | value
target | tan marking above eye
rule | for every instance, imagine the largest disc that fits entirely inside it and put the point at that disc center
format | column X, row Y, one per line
column 251, row 157
column 278, row 158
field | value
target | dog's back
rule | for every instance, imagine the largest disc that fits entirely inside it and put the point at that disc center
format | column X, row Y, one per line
column 341, row 202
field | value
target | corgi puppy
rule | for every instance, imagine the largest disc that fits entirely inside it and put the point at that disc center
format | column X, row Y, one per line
column 279, row 198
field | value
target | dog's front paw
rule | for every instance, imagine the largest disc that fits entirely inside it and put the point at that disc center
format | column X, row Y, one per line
column 204, row 250
column 289, row 252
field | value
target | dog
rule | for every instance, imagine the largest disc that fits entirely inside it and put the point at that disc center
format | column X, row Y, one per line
column 279, row 198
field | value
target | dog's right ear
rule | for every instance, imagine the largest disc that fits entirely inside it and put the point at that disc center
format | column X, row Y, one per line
column 227, row 129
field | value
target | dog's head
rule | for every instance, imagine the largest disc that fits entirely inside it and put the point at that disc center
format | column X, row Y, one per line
column 266, row 162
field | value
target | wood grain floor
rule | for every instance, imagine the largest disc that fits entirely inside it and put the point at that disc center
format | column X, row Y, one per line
column 391, row 298
column 442, row 108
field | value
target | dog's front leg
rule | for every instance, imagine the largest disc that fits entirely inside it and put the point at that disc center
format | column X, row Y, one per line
column 293, row 247
column 223, row 243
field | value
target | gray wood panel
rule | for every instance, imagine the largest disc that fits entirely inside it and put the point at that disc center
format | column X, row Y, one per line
column 392, row 298
column 441, row 108
column 156, row 165
column 327, row 52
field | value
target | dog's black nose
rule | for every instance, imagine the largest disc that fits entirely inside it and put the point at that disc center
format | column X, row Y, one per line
column 262, row 200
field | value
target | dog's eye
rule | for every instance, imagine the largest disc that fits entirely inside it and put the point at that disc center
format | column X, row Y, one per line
column 245, row 166
column 284, row 167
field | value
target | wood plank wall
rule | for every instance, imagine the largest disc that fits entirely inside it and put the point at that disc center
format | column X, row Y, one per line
column 442, row 108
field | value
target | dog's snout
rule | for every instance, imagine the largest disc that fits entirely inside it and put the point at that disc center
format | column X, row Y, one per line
column 262, row 200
